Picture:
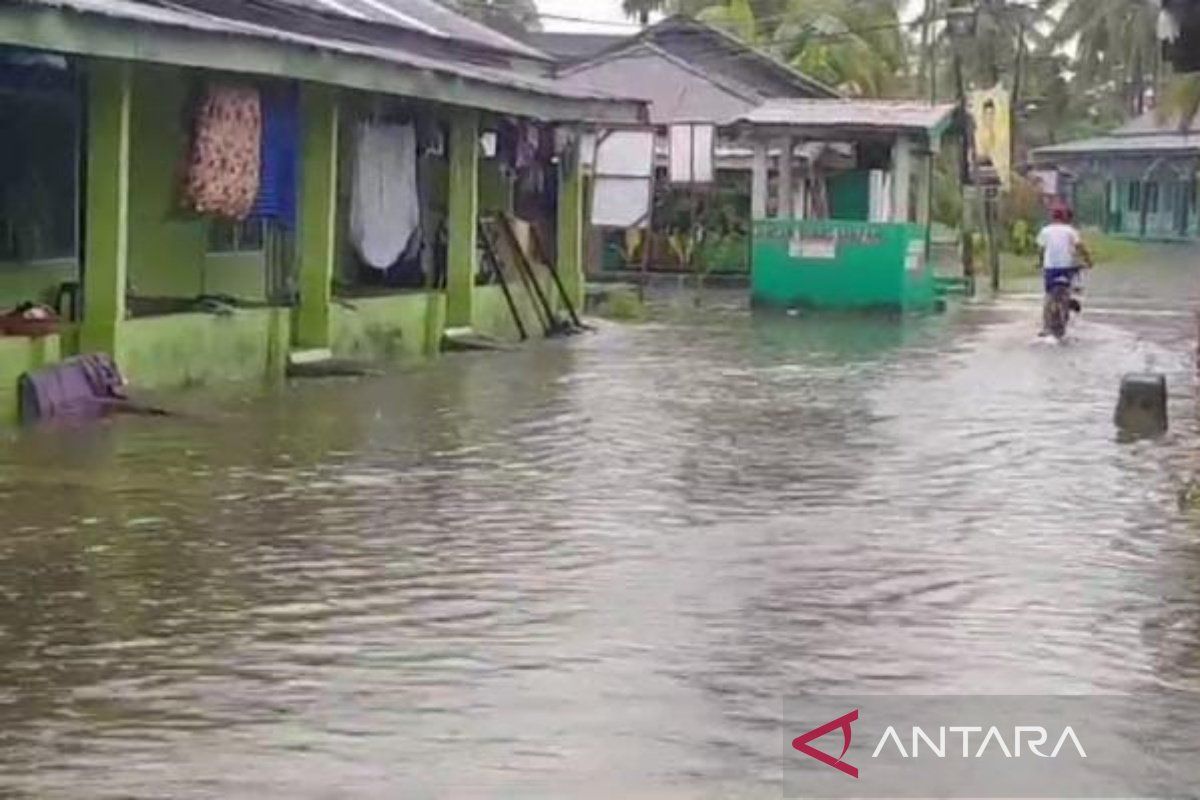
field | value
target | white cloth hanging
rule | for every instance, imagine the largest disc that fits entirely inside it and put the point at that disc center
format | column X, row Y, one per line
column 385, row 207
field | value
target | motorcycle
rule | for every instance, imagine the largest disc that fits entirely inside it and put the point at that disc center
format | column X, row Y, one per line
column 1060, row 304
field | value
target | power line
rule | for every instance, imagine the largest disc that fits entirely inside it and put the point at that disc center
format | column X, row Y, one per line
column 768, row 18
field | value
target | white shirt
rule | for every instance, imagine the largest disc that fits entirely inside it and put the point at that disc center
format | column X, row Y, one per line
column 1060, row 243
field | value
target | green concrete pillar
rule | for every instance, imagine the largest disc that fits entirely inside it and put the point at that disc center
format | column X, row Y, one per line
column 463, row 219
column 106, row 245
column 571, row 225
column 316, row 236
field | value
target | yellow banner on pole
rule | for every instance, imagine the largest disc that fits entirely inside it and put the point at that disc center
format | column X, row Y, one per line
column 991, row 124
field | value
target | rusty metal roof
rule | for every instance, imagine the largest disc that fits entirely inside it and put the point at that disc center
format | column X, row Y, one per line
column 834, row 116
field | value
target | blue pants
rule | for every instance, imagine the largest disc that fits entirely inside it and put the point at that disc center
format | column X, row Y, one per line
column 1054, row 276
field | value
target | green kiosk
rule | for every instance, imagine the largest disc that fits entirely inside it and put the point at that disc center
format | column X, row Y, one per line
column 841, row 202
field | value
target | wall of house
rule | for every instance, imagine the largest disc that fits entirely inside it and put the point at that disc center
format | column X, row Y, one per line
column 675, row 94
column 493, row 317
column 39, row 148
column 393, row 328
column 168, row 246
column 1162, row 219
column 168, row 258
column 714, row 54
column 37, row 282
column 182, row 350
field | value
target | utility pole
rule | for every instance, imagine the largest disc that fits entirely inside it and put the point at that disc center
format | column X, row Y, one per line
column 960, row 87
column 1014, row 102
column 989, row 221
column 925, row 77
column 930, row 39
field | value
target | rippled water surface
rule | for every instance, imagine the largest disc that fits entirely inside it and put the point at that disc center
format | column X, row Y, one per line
column 595, row 567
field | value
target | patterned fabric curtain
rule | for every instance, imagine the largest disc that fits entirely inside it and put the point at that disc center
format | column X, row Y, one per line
column 226, row 159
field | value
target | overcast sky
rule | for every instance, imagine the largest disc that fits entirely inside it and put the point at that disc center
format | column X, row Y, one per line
column 606, row 12
column 607, row 15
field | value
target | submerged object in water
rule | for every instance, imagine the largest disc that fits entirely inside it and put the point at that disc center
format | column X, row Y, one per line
column 1142, row 407
column 83, row 386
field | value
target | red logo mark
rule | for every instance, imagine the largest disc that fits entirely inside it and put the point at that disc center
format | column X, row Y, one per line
column 801, row 743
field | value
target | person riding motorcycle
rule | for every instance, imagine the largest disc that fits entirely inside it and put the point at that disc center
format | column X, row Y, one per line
column 1062, row 252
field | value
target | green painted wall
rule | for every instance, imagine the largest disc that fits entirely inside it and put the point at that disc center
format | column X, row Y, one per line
column 166, row 245
column 35, row 282
column 409, row 326
column 1160, row 226
column 394, row 328
column 240, row 275
column 840, row 265
column 167, row 257
column 196, row 349
column 494, row 318
column 18, row 356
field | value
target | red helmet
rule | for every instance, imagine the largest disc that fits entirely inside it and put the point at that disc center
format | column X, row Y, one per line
column 1061, row 212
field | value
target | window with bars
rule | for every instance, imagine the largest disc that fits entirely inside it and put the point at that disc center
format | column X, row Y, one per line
column 39, row 169
column 1134, row 199
column 228, row 236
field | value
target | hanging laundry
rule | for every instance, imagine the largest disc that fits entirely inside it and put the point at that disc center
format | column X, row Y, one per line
column 226, row 158
column 385, row 209
column 280, row 153
column 528, row 144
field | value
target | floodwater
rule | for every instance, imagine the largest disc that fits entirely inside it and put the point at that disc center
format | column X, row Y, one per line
column 598, row 567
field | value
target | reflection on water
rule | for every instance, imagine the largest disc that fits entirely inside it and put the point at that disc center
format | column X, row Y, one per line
column 596, row 567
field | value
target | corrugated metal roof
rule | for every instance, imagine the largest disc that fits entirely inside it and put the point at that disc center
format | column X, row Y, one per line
column 422, row 16
column 182, row 17
column 829, row 115
column 677, row 92
column 712, row 50
column 570, row 47
column 1151, row 144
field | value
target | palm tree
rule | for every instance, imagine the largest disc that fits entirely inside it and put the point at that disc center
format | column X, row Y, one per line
column 737, row 17
column 1181, row 100
column 1115, row 41
column 857, row 45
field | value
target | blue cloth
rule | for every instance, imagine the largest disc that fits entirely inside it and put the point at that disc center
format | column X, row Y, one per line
column 1053, row 276
column 280, row 156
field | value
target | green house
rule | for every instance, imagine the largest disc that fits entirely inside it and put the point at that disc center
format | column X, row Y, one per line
column 97, row 102
column 1145, row 172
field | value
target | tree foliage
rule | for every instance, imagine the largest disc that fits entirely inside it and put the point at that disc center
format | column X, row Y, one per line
column 514, row 17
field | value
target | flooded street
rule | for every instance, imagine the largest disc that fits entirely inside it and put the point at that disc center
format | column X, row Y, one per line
column 597, row 567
